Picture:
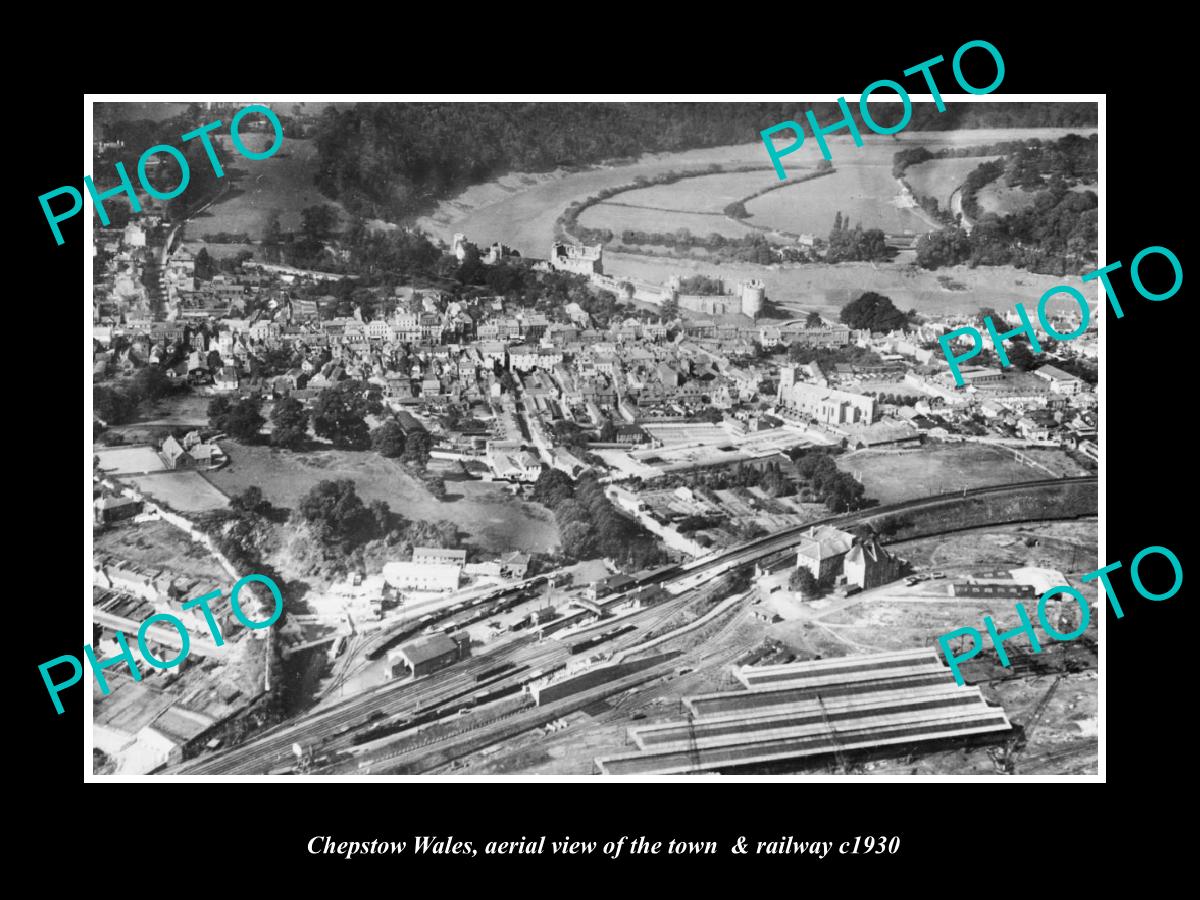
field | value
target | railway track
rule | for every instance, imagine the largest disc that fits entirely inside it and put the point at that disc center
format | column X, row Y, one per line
column 390, row 700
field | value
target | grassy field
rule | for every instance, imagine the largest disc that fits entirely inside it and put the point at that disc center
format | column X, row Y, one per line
column 894, row 475
column 520, row 208
column 939, row 178
column 827, row 288
column 618, row 218
column 705, row 193
column 282, row 183
column 861, row 191
column 1001, row 200
column 185, row 492
column 490, row 517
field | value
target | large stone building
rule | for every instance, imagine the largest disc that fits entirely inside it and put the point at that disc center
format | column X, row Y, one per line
column 869, row 565
column 822, row 549
column 582, row 259
column 826, row 405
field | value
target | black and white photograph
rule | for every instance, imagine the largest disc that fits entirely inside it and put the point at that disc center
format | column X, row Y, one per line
column 598, row 439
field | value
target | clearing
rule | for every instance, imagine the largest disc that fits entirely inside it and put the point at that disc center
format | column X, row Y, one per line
column 939, row 178
column 891, row 476
column 491, row 518
column 281, row 184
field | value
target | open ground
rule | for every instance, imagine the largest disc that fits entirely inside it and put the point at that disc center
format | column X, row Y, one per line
column 490, row 517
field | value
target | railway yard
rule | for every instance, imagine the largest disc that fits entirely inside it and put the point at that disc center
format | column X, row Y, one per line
column 698, row 669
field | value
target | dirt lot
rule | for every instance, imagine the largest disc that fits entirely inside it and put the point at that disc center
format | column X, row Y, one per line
column 160, row 545
column 491, row 518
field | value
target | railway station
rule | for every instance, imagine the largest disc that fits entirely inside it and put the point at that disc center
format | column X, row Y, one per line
column 818, row 712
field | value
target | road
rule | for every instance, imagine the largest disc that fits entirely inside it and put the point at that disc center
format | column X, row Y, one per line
column 403, row 698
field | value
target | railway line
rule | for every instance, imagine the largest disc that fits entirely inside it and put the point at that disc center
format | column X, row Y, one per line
column 404, row 698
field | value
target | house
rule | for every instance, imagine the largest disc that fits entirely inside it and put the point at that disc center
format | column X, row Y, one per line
column 514, row 565
column 822, row 549
column 869, row 565
column 226, row 379
column 113, row 509
column 197, row 455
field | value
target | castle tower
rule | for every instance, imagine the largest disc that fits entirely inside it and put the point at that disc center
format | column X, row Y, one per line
column 787, row 378
column 753, row 292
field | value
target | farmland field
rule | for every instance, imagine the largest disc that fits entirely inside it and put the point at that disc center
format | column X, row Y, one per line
column 492, row 519
column 859, row 190
column 618, row 218
column 939, row 178
column 827, row 288
column 704, row 193
column 520, row 208
column 281, row 184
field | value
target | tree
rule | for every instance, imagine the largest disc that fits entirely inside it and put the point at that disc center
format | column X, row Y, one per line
column 1020, row 356
column 436, row 485
column 335, row 512
column 381, row 515
column 873, row 311
column 289, row 421
column 471, row 269
column 803, row 581
column 318, row 222
column 669, row 309
column 218, row 409
column 813, row 320
column 204, row 267
column 608, row 432
column 338, row 415
column 251, row 501
column 417, row 446
column 388, row 439
column 241, row 419
column 245, row 420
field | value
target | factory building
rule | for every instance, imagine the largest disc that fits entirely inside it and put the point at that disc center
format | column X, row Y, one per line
column 428, row 654
column 435, row 577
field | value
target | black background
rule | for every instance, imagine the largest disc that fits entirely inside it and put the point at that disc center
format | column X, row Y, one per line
column 964, row 836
